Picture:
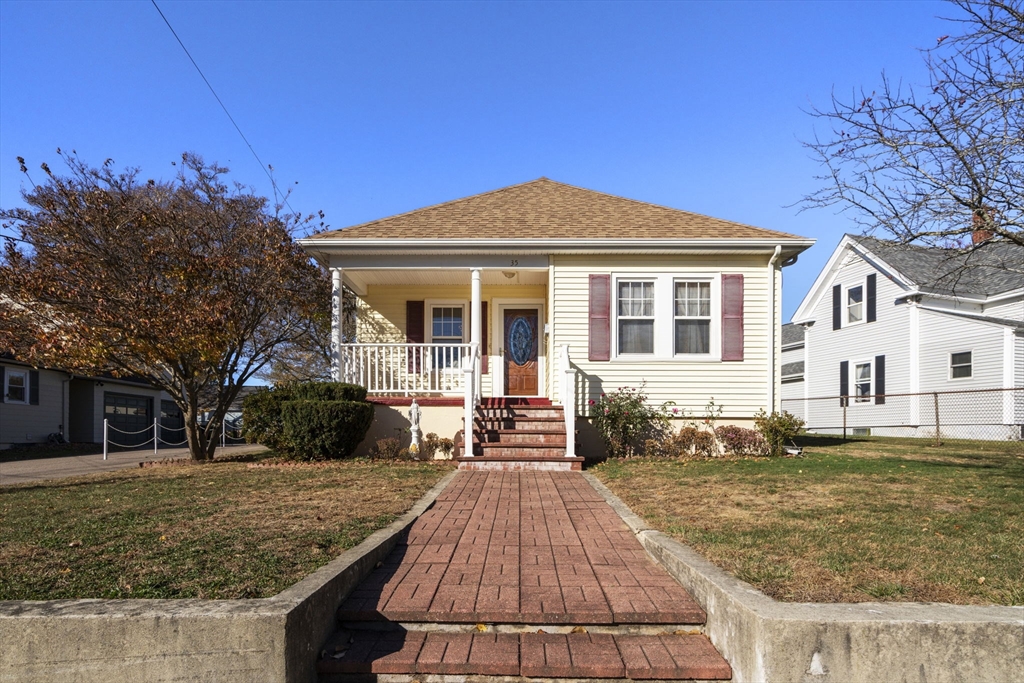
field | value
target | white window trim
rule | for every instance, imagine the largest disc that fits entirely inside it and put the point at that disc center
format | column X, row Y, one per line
column 7, row 386
column 664, row 316
column 863, row 284
column 431, row 304
column 949, row 366
column 853, row 383
column 428, row 323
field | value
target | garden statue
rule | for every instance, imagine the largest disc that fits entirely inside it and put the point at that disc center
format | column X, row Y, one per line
column 414, row 428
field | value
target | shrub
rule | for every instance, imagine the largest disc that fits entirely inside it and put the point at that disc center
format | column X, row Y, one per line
column 446, row 446
column 328, row 391
column 704, row 445
column 388, row 448
column 740, row 441
column 777, row 429
column 261, row 417
column 684, row 441
column 324, row 430
column 625, row 421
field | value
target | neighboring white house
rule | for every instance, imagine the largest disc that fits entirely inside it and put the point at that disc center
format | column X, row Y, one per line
column 547, row 293
column 39, row 402
column 884, row 321
column 793, row 356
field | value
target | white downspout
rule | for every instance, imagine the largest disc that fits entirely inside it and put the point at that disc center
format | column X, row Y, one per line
column 771, row 330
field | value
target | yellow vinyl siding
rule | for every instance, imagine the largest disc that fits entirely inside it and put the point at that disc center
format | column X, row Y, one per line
column 741, row 387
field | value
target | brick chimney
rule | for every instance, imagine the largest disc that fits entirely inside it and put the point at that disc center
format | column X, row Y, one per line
column 979, row 235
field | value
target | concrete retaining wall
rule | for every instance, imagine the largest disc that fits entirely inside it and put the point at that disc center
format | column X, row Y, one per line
column 766, row 640
column 109, row 641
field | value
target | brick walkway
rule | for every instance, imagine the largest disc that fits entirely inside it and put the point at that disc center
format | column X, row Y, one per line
column 515, row 550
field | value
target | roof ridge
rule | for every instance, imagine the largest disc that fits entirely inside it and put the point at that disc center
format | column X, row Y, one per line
column 440, row 204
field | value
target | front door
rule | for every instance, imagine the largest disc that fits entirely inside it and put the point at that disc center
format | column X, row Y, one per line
column 521, row 351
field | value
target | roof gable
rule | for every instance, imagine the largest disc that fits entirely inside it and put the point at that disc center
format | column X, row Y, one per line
column 545, row 209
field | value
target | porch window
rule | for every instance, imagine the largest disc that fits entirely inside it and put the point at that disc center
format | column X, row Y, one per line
column 446, row 328
column 636, row 316
column 16, row 386
column 693, row 317
column 862, row 382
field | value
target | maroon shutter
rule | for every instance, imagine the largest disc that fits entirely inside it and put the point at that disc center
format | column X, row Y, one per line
column 732, row 317
column 483, row 337
column 600, row 317
column 414, row 331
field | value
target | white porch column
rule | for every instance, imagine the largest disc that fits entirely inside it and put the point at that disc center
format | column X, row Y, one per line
column 476, row 332
column 337, row 317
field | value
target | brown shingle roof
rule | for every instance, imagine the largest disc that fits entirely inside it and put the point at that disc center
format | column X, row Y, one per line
column 545, row 209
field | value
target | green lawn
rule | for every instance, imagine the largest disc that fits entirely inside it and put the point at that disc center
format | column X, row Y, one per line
column 220, row 530
column 868, row 519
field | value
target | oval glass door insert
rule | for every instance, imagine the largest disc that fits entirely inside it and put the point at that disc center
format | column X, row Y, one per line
column 520, row 341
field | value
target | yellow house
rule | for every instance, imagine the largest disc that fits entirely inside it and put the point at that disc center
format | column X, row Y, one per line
column 511, row 310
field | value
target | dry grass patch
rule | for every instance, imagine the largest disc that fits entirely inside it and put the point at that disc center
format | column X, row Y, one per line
column 220, row 530
column 866, row 520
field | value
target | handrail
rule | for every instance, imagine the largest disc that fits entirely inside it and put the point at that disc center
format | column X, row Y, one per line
column 396, row 368
column 568, row 401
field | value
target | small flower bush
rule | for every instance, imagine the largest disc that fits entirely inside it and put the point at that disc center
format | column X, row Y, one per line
column 740, row 441
column 626, row 422
column 777, row 429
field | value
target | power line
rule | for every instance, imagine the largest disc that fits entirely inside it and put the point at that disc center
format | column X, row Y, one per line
column 277, row 190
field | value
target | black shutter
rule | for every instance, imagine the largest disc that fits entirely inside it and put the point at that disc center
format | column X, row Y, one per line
column 879, row 380
column 33, row 387
column 484, row 369
column 871, row 298
column 3, row 396
column 837, row 307
column 844, row 382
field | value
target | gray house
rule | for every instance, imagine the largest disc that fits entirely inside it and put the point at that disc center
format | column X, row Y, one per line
column 894, row 334
column 38, row 402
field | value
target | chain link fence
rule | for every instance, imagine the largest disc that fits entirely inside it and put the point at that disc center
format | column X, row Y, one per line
column 979, row 414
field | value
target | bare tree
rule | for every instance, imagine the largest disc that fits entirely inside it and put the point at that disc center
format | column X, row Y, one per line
column 190, row 284
column 940, row 164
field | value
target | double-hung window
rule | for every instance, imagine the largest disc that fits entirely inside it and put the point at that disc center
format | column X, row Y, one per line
column 15, row 386
column 636, row 316
column 855, row 304
column 960, row 365
column 693, row 317
column 446, row 328
column 862, row 382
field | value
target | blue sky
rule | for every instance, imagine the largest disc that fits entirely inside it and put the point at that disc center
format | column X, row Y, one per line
column 378, row 108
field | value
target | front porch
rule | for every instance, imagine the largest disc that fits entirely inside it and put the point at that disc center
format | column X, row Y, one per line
column 466, row 342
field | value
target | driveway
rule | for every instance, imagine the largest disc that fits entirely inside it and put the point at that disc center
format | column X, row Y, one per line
column 58, row 467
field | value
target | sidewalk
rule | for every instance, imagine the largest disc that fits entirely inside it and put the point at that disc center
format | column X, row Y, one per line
column 58, row 467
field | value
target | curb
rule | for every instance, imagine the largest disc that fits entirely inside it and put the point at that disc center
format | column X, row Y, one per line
column 767, row 640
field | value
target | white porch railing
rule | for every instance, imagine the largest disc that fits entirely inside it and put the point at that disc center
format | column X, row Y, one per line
column 406, row 369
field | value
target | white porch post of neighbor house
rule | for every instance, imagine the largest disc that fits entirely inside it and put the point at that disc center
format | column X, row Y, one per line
column 337, row 316
column 476, row 333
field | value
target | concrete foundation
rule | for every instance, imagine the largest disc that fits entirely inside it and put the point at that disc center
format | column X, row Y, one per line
column 766, row 640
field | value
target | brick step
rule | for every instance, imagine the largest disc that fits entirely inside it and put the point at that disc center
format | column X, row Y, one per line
column 510, row 402
column 534, row 437
column 522, row 422
column 526, row 655
column 520, row 411
column 518, row 450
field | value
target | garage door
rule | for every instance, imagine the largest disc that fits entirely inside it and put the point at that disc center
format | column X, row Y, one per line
column 128, row 413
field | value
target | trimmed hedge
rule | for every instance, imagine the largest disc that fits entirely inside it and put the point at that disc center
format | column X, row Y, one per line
column 327, row 391
column 325, row 430
column 261, row 417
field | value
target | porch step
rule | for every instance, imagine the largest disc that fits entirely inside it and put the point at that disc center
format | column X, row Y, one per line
column 524, row 422
column 541, row 437
column 520, row 411
column 522, row 655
